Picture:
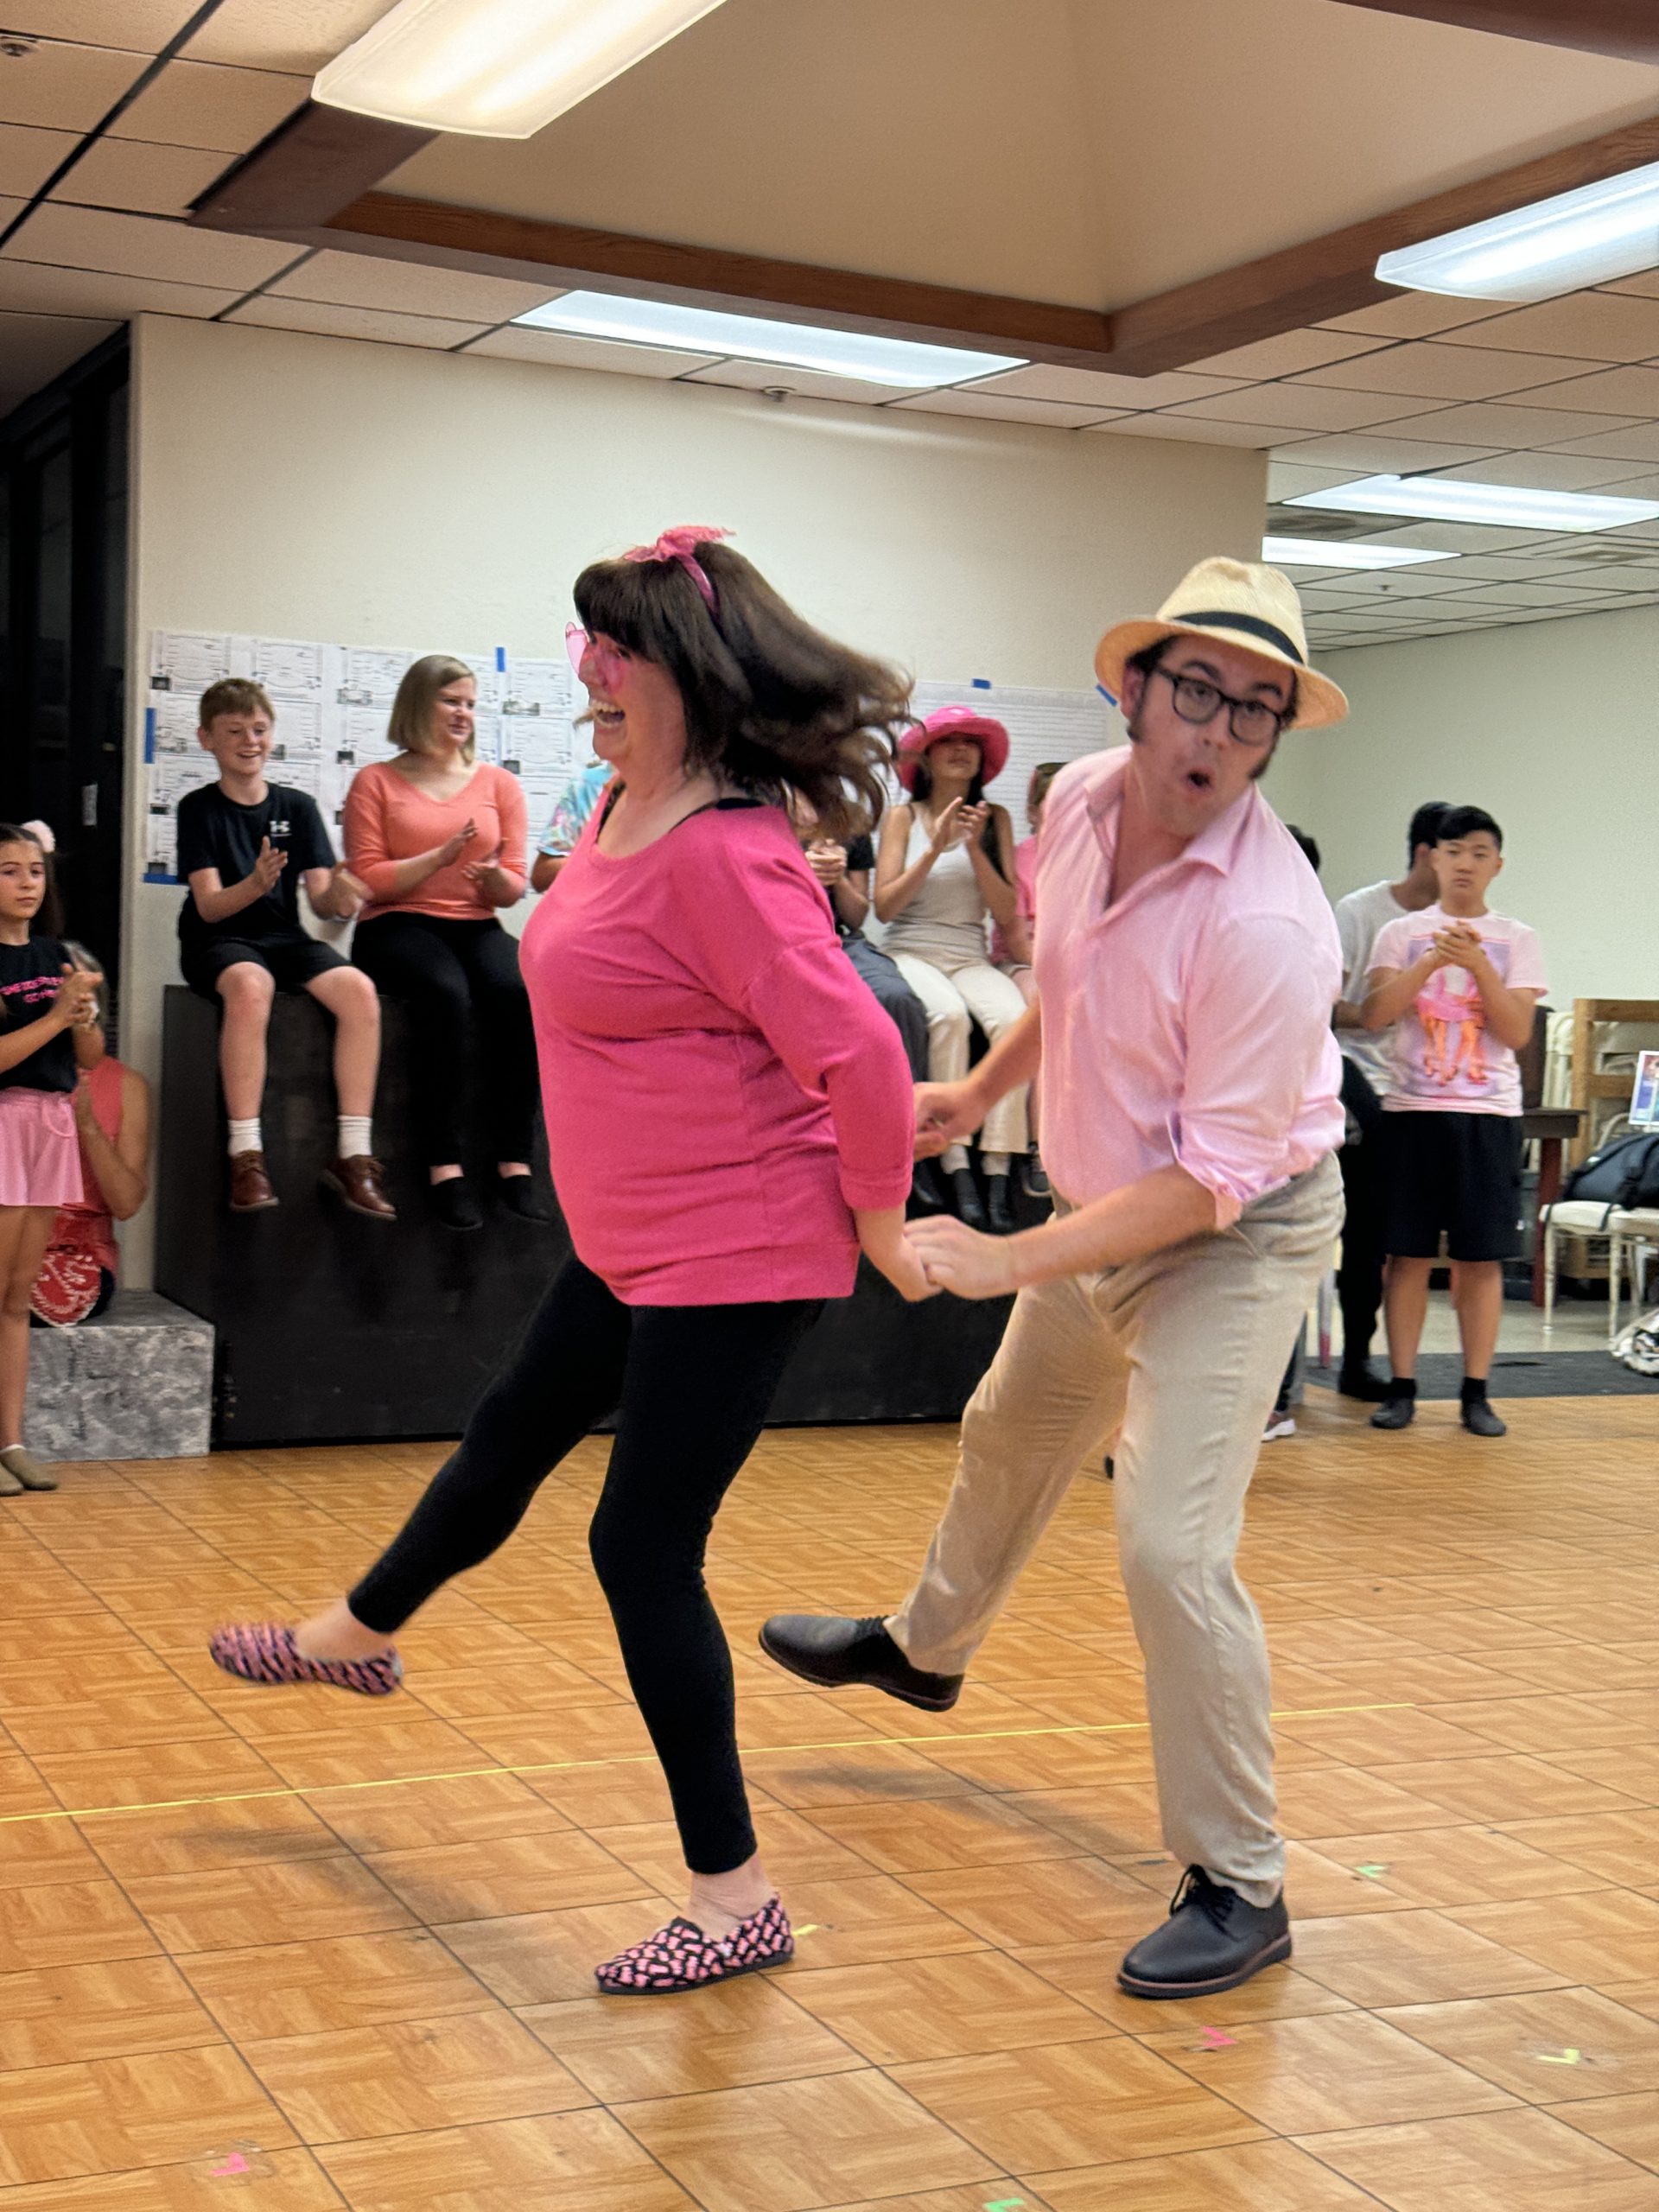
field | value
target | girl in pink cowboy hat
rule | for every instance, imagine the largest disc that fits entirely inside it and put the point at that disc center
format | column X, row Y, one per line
column 944, row 868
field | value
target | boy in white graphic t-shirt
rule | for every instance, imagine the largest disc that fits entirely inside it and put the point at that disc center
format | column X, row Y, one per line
column 1463, row 985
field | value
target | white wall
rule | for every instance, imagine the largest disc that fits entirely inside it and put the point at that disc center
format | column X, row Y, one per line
column 1554, row 728
column 317, row 487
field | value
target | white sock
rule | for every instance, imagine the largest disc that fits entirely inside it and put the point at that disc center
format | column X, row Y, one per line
column 953, row 1157
column 994, row 1163
column 246, row 1137
column 354, row 1138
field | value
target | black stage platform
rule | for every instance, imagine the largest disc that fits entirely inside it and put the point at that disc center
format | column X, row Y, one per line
column 332, row 1329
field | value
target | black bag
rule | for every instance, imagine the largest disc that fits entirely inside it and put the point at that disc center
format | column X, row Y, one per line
column 1623, row 1174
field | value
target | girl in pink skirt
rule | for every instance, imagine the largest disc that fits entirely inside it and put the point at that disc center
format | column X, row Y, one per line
column 48, row 1010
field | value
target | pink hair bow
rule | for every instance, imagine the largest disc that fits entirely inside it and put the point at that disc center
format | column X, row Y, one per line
column 680, row 546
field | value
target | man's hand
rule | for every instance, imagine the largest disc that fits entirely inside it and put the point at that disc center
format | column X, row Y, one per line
column 266, row 870
column 347, row 896
column 959, row 1259
column 946, row 1113
column 828, row 861
column 1459, row 946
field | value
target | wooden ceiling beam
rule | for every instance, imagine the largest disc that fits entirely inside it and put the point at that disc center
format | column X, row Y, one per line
column 1626, row 29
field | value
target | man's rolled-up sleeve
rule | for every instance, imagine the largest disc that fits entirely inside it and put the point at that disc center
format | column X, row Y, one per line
column 1258, row 1024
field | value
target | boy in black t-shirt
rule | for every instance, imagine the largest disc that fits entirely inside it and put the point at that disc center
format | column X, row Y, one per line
column 243, row 846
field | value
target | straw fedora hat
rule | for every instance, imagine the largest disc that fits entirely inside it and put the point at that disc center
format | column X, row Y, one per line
column 1241, row 604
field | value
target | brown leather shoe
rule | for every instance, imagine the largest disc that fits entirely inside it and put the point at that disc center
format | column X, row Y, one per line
column 356, row 1183
column 250, row 1191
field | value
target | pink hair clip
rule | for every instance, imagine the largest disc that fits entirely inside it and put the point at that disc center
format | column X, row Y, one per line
column 680, row 546
column 41, row 833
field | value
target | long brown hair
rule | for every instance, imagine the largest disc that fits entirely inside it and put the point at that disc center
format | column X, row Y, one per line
column 48, row 919
column 769, row 701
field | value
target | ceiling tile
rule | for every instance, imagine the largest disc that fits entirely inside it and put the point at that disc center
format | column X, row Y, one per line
column 1092, row 387
column 29, row 157
column 1285, row 478
column 10, row 210
column 1303, row 407
column 1547, row 472
column 1430, row 370
column 1496, row 423
column 361, row 280
column 1641, row 443
column 1371, row 453
column 1644, row 283
column 804, row 384
column 36, row 348
column 1629, row 392
column 194, row 104
column 68, row 87
column 139, row 246
column 996, row 407
column 1412, row 315
column 125, row 173
column 323, row 320
column 1284, row 356
column 142, row 26
column 35, row 288
column 1643, row 487
column 1199, row 431
column 1590, row 326
column 1539, row 594
column 557, row 349
column 298, row 35
column 1388, row 588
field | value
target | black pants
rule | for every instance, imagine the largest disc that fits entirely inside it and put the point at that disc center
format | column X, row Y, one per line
column 445, row 971
column 691, row 1386
column 1365, row 1189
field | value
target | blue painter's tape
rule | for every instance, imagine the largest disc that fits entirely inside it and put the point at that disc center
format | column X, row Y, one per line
column 981, row 684
column 500, row 658
column 1106, row 694
column 149, row 733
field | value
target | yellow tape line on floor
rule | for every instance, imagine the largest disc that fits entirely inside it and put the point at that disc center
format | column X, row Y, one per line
column 640, row 1758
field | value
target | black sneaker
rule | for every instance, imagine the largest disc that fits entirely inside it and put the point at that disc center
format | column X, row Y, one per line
column 996, row 1199
column 454, row 1204
column 966, row 1201
column 1036, row 1176
column 518, row 1196
column 1362, row 1382
column 1480, row 1421
column 1395, row 1412
column 825, row 1650
column 1211, row 1941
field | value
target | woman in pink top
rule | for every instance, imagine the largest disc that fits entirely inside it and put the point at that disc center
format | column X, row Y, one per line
column 729, row 1117
column 436, row 838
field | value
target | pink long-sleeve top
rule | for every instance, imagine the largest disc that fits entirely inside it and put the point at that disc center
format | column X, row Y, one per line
column 720, row 1088
column 389, row 819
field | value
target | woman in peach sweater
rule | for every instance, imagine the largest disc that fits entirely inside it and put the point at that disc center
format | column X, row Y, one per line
column 437, row 838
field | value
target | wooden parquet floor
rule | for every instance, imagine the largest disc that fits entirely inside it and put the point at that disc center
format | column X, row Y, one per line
column 282, row 1951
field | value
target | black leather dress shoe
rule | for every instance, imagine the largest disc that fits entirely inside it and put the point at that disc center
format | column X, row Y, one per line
column 823, row 1649
column 1362, row 1382
column 1211, row 1941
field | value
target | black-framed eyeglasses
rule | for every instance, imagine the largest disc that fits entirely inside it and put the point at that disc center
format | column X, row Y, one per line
column 1252, row 722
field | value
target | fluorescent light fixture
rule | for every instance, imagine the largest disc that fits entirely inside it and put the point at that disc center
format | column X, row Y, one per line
column 497, row 68
column 1444, row 498
column 747, row 338
column 1579, row 238
column 1341, row 553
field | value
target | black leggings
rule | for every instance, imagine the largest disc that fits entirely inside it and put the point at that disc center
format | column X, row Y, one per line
column 444, row 970
column 693, row 1384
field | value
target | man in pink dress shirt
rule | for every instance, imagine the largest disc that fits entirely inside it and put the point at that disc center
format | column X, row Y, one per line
column 1186, row 970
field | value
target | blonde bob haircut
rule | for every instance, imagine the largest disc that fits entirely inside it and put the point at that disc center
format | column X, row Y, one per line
column 410, row 727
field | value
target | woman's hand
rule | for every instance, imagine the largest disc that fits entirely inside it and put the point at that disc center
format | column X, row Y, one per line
column 452, row 848
column 491, row 881
column 881, row 1239
column 86, row 1121
column 347, row 896
column 946, row 1113
column 828, row 861
column 76, row 1004
column 971, row 823
column 947, row 829
column 959, row 1259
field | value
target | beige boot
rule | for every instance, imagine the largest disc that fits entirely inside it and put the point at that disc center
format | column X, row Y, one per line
column 26, row 1470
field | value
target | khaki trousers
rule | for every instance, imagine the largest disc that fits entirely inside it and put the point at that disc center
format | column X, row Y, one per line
column 1183, row 1351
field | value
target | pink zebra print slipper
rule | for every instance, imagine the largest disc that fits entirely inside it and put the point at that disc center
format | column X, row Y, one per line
column 680, row 1956
column 260, row 1651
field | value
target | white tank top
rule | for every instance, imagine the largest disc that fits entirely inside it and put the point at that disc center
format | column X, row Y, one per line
column 947, row 915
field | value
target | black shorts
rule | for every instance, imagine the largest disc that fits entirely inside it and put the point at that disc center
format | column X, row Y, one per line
column 1459, row 1173
column 291, row 961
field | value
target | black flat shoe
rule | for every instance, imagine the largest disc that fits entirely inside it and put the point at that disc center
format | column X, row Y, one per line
column 996, row 1199
column 1480, row 1421
column 830, row 1652
column 1211, row 1941
column 925, row 1196
column 518, row 1196
column 1395, row 1412
column 1364, row 1383
column 1036, row 1177
column 965, row 1200
column 454, row 1204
